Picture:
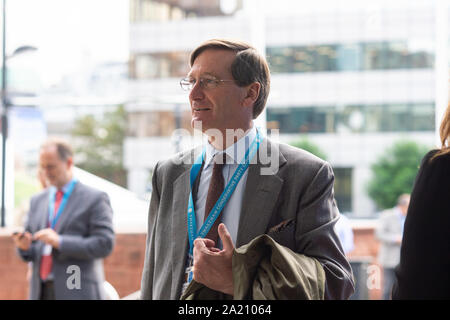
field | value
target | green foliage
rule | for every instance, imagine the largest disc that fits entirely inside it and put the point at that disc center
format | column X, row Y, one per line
column 24, row 188
column 394, row 173
column 99, row 145
column 309, row 146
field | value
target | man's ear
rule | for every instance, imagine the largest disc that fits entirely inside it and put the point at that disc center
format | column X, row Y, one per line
column 252, row 94
column 69, row 162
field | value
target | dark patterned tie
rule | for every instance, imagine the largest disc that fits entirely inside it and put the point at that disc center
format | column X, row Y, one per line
column 216, row 186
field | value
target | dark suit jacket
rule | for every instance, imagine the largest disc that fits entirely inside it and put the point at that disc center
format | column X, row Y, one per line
column 424, row 268
column 296, row 186
column 86, row 230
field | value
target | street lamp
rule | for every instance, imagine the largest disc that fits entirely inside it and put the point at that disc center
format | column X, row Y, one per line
column 5, row 105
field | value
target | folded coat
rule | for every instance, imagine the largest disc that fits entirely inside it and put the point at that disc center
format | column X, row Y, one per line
column 266, row 270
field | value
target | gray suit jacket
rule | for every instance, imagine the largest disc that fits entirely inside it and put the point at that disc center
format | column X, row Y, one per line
column 388, row 231
column 299, row 190
column 86, row 230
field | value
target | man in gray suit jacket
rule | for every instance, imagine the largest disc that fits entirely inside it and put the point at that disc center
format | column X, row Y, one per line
column 284, row 192
column 68, row 232
column 390, row 233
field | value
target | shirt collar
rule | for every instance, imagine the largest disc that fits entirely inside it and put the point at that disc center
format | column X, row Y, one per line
column 235, row 152
column 65, row 189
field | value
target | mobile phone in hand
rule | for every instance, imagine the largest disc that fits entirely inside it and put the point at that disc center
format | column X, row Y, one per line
column 22, row 234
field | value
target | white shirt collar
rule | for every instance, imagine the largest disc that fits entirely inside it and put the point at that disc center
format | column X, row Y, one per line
column 236, row 152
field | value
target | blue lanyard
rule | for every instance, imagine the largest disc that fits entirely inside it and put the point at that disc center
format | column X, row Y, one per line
column 224, row 197
column 51, row 203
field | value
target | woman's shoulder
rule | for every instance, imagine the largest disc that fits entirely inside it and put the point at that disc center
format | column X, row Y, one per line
column 435, row 168
column 433, row 160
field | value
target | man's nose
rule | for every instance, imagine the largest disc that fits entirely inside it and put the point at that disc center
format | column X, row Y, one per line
column 197, row 92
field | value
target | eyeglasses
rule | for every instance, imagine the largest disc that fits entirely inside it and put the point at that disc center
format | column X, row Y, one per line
column 206, row 83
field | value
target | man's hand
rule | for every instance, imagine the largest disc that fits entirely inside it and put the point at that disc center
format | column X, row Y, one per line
column 48, row 236
column 22, row 240
column 213, row 267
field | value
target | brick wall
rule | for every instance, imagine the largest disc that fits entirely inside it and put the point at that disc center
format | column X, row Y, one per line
column 13, row 270
column 123, row 268
column 366, row 249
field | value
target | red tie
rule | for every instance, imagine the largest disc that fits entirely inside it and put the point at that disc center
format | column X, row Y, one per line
column 46, row 260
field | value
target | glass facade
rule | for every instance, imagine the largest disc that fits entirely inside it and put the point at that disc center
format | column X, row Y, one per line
column 353, row 118
column 361, row 70
column 349, row 57
column 299, row 59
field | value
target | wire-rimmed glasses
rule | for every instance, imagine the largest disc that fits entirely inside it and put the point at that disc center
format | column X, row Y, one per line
column 206, row 83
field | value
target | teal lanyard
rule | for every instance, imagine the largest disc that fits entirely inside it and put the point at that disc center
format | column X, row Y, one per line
column 224, row 197
column 53, row 219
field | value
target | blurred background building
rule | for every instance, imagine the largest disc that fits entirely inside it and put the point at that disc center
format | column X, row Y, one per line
column 351, row 76
column 350, row 80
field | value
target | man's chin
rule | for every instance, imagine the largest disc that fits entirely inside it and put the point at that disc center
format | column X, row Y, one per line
column 198, row 124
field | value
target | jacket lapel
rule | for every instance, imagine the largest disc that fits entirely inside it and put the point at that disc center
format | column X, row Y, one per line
column 42, row 216
column 261, row 193
column 69, row 210
column 181, row 189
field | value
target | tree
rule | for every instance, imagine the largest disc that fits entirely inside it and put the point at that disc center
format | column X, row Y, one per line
column 99, row 145
column 394, row 172
column 309, row 146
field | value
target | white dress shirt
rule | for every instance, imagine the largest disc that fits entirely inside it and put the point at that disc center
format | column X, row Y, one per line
column 232, row 210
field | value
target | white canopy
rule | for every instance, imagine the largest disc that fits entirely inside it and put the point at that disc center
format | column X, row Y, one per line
column 129, row 211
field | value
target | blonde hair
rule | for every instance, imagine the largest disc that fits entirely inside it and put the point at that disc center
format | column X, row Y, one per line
column 444, row 131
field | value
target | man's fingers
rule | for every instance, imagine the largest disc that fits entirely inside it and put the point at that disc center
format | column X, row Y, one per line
column 200, row 243
column 209, row 243
column 21, row 235
column 44, row 231
column 25, row 235
column 37, row 235
column 41, row 234
column 225, row 236
column 22, row 240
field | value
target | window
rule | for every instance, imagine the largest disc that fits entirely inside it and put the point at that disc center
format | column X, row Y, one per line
column 397, row 56
column 281, row 59
column 353, row 118
column 302, row 120
column 351, row 57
